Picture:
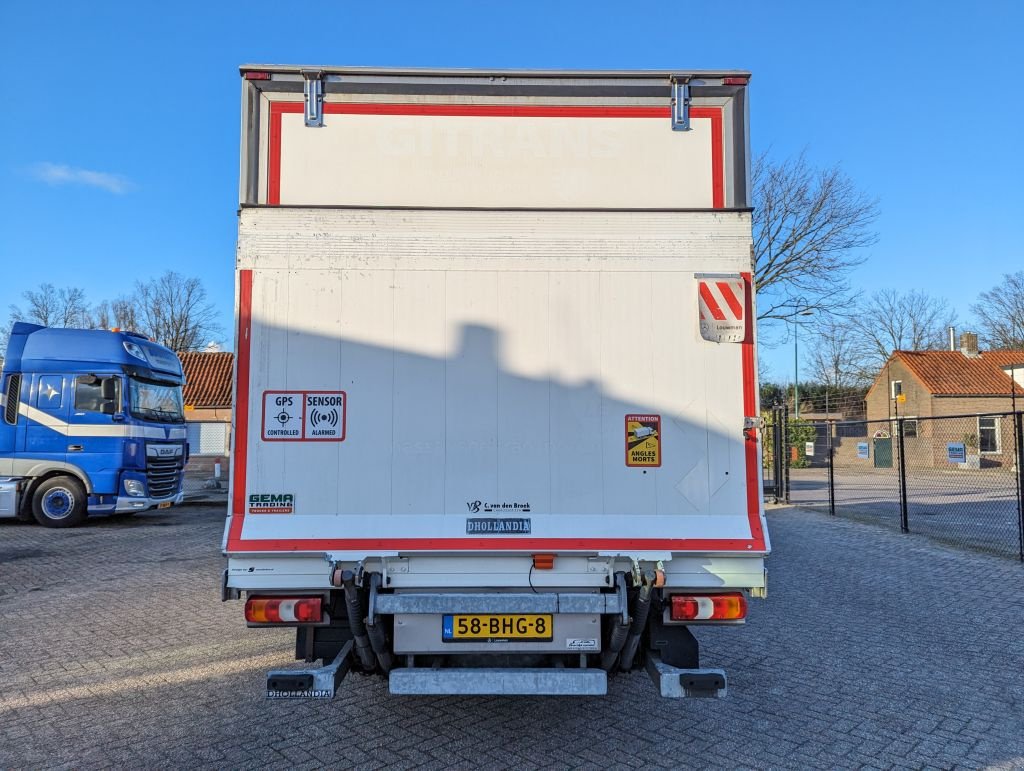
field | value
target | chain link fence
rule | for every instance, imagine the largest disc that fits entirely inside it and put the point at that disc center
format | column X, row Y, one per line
column 957, row 479
column 206, row 473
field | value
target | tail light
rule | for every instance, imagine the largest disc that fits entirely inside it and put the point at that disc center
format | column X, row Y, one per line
column 710, row 607
column 283, row 610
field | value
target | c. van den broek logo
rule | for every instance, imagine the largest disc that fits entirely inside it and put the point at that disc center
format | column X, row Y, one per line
column 475, row 507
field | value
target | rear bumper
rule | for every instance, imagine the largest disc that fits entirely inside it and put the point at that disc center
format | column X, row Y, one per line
column 427, row 681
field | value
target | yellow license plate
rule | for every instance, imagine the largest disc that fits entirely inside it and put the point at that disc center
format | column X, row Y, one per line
column 496, row 628
column 164, row 505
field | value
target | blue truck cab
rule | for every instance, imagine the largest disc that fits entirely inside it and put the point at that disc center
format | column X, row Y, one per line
column 92, row 422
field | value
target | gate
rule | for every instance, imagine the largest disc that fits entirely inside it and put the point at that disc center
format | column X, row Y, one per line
column 775, row 454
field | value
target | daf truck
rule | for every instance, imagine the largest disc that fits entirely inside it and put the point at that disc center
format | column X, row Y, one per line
column 92, row 424
column 496, row 414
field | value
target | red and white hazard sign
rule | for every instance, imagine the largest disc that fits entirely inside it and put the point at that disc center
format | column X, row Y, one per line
column 722, row 301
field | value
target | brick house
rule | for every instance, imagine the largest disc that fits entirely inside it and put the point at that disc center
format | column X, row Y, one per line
column 208, row 397
column 932, row 384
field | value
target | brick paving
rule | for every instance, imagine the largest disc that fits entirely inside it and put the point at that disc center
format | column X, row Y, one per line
column 873, row 650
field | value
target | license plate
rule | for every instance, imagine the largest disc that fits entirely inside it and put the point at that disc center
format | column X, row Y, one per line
column 164, row 505
column 496, row 628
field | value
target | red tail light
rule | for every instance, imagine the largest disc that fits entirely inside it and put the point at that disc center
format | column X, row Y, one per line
column 283, row 610
column 708, row 607
column 257, row 75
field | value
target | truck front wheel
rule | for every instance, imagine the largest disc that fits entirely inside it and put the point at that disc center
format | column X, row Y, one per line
column 59, row 502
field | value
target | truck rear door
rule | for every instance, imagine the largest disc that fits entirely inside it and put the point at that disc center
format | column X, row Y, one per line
column 495, row 314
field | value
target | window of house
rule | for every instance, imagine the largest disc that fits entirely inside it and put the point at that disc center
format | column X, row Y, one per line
column 988, row 434
column 910, row 428
column 897, row 388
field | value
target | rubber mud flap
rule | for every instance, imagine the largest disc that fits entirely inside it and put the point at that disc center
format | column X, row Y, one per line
column 289, row 683
column 697, row 685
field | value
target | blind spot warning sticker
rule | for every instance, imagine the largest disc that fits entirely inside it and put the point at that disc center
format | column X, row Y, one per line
column 643, row 440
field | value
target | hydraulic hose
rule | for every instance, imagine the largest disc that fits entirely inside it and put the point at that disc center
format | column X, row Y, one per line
column 641, row 609
column 354, row 611
column 378, row 637
column 619, row 632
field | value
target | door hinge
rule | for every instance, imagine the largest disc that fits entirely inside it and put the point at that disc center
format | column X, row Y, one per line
column 313, row 94
column 680, row 104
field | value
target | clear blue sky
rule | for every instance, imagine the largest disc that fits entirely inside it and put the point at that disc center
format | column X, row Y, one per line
column 919, row 101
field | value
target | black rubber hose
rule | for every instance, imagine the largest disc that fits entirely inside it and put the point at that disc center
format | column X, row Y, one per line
column 617, row 638
column 378, row 637
column 641, row 610
column 379, row 642
column 354, row 611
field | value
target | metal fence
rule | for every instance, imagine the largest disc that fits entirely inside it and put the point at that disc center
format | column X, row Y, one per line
column 206, row 474
column 774, row 446
column 957, row 479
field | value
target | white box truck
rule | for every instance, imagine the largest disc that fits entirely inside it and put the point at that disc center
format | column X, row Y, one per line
column 496, row 414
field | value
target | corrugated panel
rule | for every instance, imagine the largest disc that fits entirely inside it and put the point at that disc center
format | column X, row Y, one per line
column 472, row 240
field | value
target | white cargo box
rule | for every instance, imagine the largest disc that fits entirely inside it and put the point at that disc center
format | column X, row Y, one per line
column 494, row 314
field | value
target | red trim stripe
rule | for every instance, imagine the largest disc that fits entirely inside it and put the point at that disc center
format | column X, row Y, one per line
column 277, row 109
column 730, row 299
column 492, row 544
column 274, row 158
column 750, row 409
column 242, row 358
column 717, row 155
column 710, row 303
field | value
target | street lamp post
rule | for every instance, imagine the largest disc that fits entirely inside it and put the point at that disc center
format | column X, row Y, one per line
column 796, row 364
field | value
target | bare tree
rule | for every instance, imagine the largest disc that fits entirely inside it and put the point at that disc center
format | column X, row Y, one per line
column 173, row 310
column 52, row 307
column 839, row 357
column 808, row 225
column 120, row 313
column 909, row 321
column 1000, row 313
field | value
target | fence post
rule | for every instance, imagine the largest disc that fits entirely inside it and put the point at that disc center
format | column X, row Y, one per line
column 778, row 458
column 1018, row 439
column 786, row 447
column 904, row 519
column 829, row 427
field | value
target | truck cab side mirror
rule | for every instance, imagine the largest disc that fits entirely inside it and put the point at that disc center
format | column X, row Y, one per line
column 108, row 407
column 108, row 389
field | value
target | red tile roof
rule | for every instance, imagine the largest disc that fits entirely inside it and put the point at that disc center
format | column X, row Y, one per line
column 207, row 378
column 950, row 373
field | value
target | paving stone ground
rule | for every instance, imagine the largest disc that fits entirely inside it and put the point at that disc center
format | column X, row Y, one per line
column 873, row 650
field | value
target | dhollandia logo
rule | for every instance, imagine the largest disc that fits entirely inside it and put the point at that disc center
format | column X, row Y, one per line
column 271, row 503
